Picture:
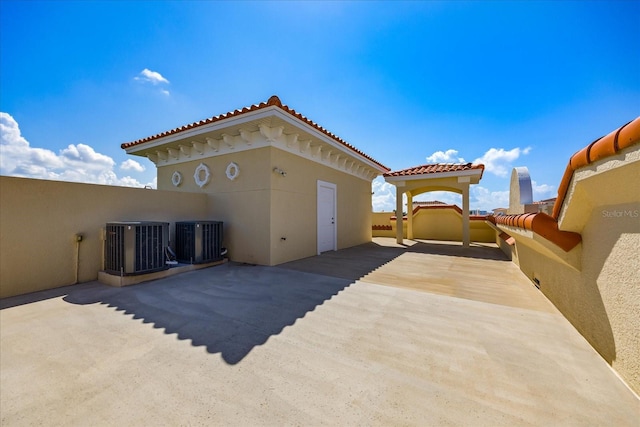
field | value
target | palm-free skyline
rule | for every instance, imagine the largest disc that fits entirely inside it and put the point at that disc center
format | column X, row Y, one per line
column 503, row 83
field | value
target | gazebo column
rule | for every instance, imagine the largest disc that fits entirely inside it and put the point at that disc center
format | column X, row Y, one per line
column 399, row 234
column 409, row 215
column 466, row 240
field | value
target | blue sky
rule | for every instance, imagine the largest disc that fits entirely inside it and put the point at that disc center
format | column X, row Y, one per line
column 506, row 83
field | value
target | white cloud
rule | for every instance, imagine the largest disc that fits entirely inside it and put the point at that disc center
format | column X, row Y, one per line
column 447, row 197
column 542, row 191
column 384, row 196
column 131, row 164
column 485, row 199
column 449, row 156
column 498, row 160
column 152, row 77
column 77, row 163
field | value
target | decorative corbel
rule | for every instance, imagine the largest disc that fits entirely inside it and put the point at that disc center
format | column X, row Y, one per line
column 213, row 143
column 153, row 157
column 198, row 146
column 276, row 132
column 292, row 140
column 229, row 140
column 304, row 145
column 162, row 155
column 173, row 153
column 185, row 150
column 246, row 136
column 315, row 150
column 271, row 134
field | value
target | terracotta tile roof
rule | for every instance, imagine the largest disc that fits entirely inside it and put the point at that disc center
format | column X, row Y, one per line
column 435, row 168
column 543, row 225
column 273, row 101
column 429, row 203
column 381, row 227
column 545, row 201
column 621, row 138
column 508, row 239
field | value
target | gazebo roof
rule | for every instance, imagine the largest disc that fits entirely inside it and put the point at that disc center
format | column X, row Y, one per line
column 436, row 169
column 451, row 172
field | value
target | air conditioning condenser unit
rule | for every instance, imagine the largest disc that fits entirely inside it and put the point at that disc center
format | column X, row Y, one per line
column 199, row 242
column 136, row 247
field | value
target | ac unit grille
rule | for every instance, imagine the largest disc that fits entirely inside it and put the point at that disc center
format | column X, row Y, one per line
column 136, row 247
column 198, row 241
column 149, row 248
column 114, row 251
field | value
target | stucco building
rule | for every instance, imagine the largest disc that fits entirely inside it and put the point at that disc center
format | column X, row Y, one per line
column 285, row 187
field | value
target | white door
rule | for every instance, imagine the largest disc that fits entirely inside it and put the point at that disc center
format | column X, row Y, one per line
column 326, row 217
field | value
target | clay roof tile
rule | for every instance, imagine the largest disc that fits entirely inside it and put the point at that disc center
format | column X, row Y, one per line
column 543, row 225
column 621, row 138
column 273, row 101
column 435, row 168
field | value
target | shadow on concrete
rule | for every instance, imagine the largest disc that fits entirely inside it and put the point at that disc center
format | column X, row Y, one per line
column 350, row 263
column 229, row 309
column 35, row 297
column 475, row 250
column 358, row 261
column 234, row 307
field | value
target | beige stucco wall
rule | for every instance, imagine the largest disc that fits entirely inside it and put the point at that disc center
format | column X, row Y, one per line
column 259, row 208
column 383, row 218
column 436, row 224
column 242, row 204
column 600, row 294
column 602, row 300
column 294, row 207
column 39, row 221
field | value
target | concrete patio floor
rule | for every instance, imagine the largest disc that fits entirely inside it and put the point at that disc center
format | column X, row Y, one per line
column 426, row 334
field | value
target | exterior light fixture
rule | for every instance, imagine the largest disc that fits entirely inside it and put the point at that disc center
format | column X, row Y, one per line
column 280, row 171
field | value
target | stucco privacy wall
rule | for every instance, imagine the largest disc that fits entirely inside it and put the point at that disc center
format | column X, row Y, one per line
column 39, row 221
column 600, row 295
column 602, row 300
column 435, row 224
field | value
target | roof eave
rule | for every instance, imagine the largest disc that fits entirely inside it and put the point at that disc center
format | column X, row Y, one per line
column 141, row 148
column 193, row 132
column 476, row 172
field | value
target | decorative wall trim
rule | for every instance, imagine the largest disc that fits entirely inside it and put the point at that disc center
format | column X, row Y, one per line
column 176, row 179
column 232, row 171
column 202, row 175
column 313, row 150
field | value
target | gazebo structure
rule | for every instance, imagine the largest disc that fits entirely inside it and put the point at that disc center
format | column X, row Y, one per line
column 455, row 177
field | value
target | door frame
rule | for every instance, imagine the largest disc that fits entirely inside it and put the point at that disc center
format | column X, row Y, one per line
column 334, row 187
